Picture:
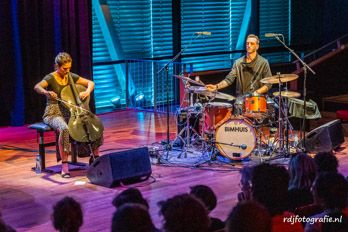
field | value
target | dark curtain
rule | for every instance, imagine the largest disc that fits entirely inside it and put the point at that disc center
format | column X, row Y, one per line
column 31, row 34
column 316, row 23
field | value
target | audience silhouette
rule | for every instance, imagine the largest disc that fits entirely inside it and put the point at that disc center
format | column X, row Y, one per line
column 245, row 183
column 270, row 188
column 67, row 215
column 248, row 216
column 302, row 172
column 132, row 217
column 130, row 195
column 330, row 189
column 184, row 213
column 4, row 227
column 209, row 200
column 326, row 162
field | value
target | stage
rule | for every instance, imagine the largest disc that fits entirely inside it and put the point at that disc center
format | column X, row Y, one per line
column 27, row 197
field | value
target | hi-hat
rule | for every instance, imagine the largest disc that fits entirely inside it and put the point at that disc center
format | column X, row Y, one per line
column 203, row 91
column 188, row 79
column 279, row 78
column 195, row 89
column 287, row 94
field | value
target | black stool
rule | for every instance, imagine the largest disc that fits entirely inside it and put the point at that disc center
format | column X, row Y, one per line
column 41, row 128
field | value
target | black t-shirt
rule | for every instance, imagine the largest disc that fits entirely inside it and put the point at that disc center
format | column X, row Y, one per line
column 249, row 75
column 54, row 86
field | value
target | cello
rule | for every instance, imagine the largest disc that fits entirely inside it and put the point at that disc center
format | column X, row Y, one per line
column 84, row 126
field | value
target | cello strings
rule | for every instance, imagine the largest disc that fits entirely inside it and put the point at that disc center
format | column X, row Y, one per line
column 71, row 104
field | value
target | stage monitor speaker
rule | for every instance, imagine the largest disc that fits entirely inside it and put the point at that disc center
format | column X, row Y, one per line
column 325, row 138
column 112, row 169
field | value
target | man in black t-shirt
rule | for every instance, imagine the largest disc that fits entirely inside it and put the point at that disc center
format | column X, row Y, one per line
column 248, row 70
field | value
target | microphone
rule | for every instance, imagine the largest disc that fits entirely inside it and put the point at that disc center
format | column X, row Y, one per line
column 243, row 146
column 272, row 35
column 208, row 33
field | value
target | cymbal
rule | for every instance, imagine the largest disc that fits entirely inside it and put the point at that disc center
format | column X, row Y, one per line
column 222, row 96
column 203, row 91
column 279, row 78
column 188, row 79
column 195, row 89
column 287, row 94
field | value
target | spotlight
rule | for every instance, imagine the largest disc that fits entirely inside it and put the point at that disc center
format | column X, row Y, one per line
column 139, row 99
column 116, row 102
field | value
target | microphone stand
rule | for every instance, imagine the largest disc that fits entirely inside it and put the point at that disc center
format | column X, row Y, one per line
column 305, row 68
column 166, row 67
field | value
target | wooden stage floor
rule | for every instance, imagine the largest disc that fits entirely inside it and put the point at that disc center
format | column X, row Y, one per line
column 26, row 198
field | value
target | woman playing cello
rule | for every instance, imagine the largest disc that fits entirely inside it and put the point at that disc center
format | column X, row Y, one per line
column 57, row 114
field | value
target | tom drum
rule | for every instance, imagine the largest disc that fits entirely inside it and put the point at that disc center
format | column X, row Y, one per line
column 255, row 106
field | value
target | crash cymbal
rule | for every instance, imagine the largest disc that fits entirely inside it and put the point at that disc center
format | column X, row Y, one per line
column 279, row 78
column 203, row 91
column 222, row 96
column 288, row 94
column 188, row 79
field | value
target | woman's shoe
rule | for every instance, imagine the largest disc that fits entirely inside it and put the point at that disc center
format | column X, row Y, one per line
column 65, row 170
column 65, row 175
column 91, row 159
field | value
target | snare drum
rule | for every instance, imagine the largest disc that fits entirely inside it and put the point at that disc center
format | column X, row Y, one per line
column 215, row 114
column 236, row 138
column 255, row 106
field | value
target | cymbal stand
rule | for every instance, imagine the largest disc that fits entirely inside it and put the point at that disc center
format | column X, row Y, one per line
column 305, row 67
column 283, row 150
column 259, row 151
column 188, row 128
column 282, row 122
column 208, row 137
column 288, row 128
column 280, row 116
column 166, row 68
column 287, row 125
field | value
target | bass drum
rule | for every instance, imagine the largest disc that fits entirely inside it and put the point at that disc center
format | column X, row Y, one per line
column 236, row 138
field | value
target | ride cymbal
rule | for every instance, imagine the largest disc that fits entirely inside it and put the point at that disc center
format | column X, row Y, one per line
column 279, row 78
column 288, row 94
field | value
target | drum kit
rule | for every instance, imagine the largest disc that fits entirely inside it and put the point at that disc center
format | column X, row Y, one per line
column 237, row 127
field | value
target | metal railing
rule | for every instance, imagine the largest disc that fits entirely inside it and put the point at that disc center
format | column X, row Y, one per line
column 140, row 84
column 332, row 46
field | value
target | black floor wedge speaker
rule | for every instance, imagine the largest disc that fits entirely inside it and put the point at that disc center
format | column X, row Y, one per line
column 112, row 169
column 325, row 138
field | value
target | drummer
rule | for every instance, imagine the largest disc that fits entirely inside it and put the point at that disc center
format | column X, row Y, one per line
column 248, row 70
